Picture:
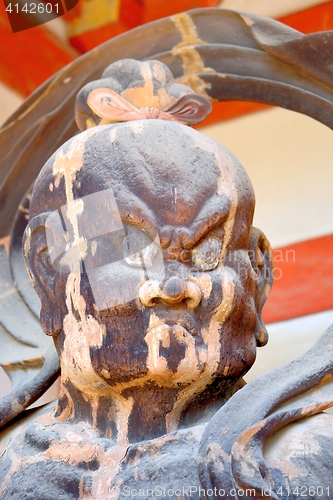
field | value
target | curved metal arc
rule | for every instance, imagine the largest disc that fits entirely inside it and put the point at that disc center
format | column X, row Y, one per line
column 30, row 389
column 230, row 60
column 265, row 91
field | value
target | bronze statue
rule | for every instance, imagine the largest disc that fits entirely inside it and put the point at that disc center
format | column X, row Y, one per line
column 152, row 280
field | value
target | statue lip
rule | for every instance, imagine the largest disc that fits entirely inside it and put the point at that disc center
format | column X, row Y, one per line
column 181, row 318
column 185, row 325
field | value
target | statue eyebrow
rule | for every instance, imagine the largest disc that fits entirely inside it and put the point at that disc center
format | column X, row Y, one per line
column 213, row 215
column 135, row 212
column 144, row 220
column 201, row 228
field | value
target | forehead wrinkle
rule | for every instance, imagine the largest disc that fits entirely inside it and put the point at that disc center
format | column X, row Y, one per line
column 140, row 217
column 214, row 213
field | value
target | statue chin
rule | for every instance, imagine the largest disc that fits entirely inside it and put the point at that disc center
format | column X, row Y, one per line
column 174, row 357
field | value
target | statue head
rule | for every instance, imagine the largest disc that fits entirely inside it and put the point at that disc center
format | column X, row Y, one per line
column 141, row 247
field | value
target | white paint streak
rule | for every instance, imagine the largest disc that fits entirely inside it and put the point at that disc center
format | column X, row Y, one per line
column 158, row 334
column 211, row 355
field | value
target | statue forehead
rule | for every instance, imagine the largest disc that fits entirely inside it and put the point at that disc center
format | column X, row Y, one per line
column 157, row 170
column 164, row 167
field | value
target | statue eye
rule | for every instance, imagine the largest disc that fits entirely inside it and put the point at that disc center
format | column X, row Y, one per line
column 139, row 250
column 206, row 255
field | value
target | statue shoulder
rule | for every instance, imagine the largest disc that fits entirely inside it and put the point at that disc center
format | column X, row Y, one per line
column 46, row 456
column 18, row 426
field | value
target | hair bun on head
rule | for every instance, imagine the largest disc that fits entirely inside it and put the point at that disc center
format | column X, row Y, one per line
column 134, row 90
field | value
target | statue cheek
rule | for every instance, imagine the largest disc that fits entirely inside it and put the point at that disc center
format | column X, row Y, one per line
column 227, row 291
column 114, row 285
column 123, row 353
column 222, row 285
column 236, row 317
column 215, row 297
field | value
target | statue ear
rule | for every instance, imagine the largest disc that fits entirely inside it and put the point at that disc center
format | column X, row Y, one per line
column 261, row 257
column 38, row 240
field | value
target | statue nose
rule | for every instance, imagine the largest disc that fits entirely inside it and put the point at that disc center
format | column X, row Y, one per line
column 174, row 290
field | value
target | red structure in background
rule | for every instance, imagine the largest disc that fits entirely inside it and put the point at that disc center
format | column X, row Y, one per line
column 303, row 280
column 30, row 57
column 132, row 13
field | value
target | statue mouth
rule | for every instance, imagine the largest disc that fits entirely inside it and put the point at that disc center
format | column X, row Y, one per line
column 171, row 348
column 183, row 319
column 169, row 334
column 181, row 329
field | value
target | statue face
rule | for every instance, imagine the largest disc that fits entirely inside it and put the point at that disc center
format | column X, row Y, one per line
column 159, row 286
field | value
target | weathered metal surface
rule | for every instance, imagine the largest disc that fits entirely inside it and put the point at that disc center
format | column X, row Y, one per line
column 179, row 335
